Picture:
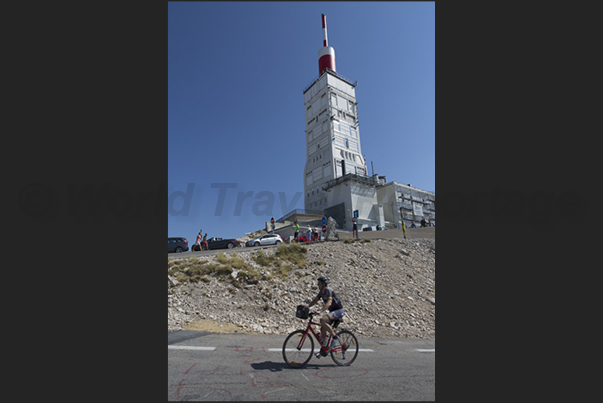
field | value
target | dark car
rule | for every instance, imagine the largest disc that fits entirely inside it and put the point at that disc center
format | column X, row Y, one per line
column 177, row 245
column 219, row 243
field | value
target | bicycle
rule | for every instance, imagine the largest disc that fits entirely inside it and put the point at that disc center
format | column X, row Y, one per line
column 297, row 353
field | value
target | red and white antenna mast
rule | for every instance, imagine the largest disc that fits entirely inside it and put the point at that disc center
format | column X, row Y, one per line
column 326, row 55
column 325, row 41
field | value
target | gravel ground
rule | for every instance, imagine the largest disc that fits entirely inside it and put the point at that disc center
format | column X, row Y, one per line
column 387, row 287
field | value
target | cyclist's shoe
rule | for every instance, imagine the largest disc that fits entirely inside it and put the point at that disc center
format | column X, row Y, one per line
column 317, row 355
column 334, row 342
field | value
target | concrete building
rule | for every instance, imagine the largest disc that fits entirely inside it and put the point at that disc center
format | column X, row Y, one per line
column 336, row 181
column 405, row 202
column 332, row 135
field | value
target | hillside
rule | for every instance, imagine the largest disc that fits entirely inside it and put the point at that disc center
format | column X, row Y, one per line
column 387, row 287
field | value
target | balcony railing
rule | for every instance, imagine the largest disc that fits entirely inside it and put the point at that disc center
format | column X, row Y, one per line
column 347, row 80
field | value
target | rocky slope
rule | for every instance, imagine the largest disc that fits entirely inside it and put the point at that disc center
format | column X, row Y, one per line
column 387, row 287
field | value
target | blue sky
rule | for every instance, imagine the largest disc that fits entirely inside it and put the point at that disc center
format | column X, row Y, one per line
column 236, row 75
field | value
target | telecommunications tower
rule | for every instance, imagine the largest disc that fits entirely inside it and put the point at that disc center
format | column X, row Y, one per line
column 332, row 135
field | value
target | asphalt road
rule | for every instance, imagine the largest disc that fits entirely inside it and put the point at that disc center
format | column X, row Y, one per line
column 411, row 233
column 207, row 366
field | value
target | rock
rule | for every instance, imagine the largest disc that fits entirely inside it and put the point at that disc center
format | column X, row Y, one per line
column 331, row 229
column 379, row 290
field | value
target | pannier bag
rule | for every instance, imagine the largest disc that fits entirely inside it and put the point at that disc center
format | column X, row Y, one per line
column 302, row 312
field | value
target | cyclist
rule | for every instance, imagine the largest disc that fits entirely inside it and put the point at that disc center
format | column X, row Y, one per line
column 333, row 304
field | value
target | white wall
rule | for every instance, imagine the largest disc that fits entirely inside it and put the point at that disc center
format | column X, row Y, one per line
column 390, row 193
column 329, row 141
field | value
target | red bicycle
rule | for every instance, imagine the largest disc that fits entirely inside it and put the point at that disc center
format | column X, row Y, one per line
column 299, row 346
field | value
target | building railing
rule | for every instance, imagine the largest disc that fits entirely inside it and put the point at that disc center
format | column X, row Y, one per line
column 298, row 211
column 347, row 80
column 353, row 177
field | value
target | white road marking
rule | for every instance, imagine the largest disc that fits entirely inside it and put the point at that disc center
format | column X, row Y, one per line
column 172, row 347
column 367, row 350
column 289, row 349
column 426, row 350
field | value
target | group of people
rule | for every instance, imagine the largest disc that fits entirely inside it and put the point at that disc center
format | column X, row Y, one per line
column 312, row 234
column 202, row 242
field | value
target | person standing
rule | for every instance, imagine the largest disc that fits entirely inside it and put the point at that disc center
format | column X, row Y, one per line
column 296, row 231
column 204, row 243
column 354, row 229
column 198, row 242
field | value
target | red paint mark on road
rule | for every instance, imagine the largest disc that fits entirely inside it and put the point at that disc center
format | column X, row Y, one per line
column 186, row 372
column 179, row 387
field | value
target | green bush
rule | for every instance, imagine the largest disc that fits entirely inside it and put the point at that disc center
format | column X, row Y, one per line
column 222, row 258
column 285, row 259
column 294, row 253
column 262, row 260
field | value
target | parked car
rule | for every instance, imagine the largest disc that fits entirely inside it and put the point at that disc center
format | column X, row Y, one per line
column 177, row 245
column 268, row 239
column 219, row 243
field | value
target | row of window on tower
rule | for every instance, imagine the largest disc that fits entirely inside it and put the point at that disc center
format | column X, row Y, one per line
column 350, row 156
column 338, row 102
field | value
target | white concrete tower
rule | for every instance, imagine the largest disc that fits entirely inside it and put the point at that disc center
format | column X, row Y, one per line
column 332, row 135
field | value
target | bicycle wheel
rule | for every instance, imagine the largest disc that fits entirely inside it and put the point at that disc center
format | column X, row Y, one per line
column 298, row 349
column 346, row 350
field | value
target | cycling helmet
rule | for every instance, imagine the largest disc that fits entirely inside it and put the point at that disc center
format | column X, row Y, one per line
column 323, row 279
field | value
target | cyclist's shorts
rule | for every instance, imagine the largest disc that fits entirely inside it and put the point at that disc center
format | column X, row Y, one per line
column 336, row 314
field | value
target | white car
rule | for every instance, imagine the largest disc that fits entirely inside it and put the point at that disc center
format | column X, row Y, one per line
column 268, row 239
